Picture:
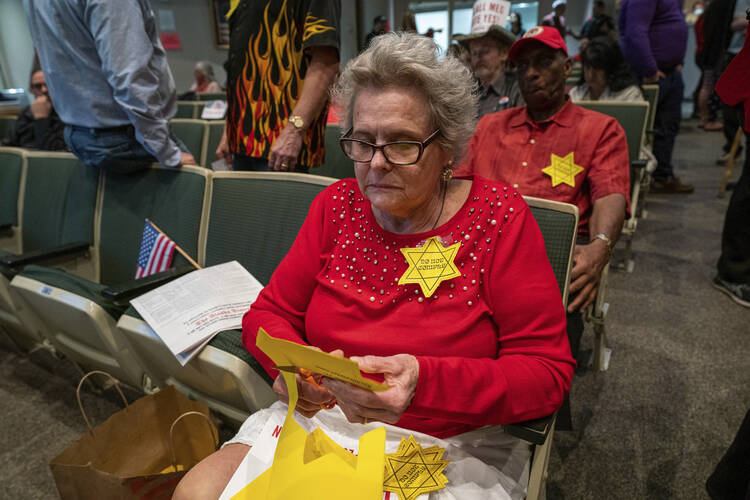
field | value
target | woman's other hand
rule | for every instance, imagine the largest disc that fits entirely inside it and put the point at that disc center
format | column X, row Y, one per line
column 311, row 397
column 401, row 373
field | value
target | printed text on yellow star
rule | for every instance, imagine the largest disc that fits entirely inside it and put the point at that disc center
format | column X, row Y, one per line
column 430, row 265
column 563, row 170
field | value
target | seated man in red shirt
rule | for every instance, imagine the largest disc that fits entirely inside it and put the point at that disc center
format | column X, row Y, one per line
column 556, row 150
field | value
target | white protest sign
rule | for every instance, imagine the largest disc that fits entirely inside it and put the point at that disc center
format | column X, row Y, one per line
column 489, row 12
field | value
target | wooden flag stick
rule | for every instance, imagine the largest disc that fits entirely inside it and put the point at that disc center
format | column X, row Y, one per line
column 176, row 246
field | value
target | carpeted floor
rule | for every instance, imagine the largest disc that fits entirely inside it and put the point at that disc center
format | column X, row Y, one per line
column 653, row 426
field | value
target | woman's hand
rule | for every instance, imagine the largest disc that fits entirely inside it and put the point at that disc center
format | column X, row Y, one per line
column 362, row 406
column 311, row 397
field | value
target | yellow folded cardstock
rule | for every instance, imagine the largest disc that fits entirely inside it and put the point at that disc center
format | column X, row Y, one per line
column 312, row 466
column 316, row 361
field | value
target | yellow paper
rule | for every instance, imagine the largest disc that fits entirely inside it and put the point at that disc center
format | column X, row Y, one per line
column 316, row 361
column 233, row 4
column 312, row 466
column 563, row 170
column 430, row 265
column 412, row 471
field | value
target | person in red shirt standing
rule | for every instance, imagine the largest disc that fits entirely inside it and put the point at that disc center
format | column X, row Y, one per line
column 553, row 149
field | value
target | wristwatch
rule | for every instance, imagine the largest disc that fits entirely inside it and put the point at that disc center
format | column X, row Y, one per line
column 606, row 240
column 297, row 121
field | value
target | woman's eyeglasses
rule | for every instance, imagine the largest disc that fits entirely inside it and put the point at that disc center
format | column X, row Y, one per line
column 396, row 153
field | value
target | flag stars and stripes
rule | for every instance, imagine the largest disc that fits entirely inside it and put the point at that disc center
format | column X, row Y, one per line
column 156, row 253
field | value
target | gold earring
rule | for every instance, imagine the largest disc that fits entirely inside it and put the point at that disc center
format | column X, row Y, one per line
column 447, row 172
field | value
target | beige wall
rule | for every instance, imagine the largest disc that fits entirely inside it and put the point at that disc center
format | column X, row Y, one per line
column 193, row 24
column 16, row 49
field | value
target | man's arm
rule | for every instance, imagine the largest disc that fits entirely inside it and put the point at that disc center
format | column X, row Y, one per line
column 607, row 218
column 636, row 45
column 609, row 180
column 127, row 53
column 324, row 67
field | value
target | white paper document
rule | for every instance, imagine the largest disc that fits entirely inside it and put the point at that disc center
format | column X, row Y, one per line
column 187, row 312
column 214, row 110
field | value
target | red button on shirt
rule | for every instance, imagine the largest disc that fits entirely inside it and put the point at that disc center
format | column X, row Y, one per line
column 510, row 147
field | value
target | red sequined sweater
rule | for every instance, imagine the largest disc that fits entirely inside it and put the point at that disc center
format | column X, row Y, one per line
column 491, row 344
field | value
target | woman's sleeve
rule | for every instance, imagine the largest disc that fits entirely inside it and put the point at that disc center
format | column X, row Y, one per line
column 533, row 369
column 281, row 305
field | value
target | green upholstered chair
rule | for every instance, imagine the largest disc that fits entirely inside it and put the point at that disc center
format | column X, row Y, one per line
column 12, row 169
column 215, row 129
column 558, row 223
column 221, row 96
column 254, row 219
column 57, row 207
column 80, row 320
column 633, row 117
column 188, row 109
column 192, row 133
column 6, row 125
column 336, row 163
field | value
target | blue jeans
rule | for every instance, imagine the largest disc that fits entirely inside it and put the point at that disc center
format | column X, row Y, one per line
column 248, row 163
column 111, row 149
column 667, row 122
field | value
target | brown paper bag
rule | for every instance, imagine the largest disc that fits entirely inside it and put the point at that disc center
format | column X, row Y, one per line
column 130, row 454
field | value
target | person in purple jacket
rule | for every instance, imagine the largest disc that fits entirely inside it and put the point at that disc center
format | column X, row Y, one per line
column 653, row 37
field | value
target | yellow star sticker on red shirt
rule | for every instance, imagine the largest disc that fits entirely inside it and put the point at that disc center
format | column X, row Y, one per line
column 563, row 170
column 430, row 265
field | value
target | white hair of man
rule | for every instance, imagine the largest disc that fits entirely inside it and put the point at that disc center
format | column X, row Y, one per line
column 408, row 60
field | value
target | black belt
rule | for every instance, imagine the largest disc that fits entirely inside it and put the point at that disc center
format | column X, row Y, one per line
column 122, row 128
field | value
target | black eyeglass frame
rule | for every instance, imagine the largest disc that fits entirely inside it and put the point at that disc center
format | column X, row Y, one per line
column 422, row 145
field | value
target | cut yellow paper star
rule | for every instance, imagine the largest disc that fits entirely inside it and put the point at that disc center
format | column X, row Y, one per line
column 430, row 265
column 412, row 471
column 563, row 170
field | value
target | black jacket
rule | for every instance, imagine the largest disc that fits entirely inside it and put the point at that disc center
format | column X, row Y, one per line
column 44, row 133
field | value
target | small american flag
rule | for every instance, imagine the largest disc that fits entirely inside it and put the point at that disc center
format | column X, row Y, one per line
column 156, row 253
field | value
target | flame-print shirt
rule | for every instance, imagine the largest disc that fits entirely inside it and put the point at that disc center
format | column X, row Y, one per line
column 268, row 60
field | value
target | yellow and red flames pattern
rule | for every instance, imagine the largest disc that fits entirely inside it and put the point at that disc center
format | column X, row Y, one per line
column 269, row 83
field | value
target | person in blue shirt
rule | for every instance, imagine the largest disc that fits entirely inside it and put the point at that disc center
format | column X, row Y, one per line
column 108, row 76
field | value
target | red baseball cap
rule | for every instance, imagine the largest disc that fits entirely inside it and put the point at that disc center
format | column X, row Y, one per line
column 547, row 35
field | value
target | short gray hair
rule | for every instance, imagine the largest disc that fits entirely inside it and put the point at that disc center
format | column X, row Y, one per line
column 206, row 69
column 408, row 60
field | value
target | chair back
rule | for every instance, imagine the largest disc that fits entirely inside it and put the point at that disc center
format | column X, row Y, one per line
column 12, row 163
column 651, row 93
column 189, row 109
column 192, row 133
column 6, row 125
column 220, row 96
column 174, row 199
column 212, row 140
column 558, row 223
column 336, row 164
column 59, row 201
column 255, row 217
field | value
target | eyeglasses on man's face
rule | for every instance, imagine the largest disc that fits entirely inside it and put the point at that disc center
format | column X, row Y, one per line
column 396, row 153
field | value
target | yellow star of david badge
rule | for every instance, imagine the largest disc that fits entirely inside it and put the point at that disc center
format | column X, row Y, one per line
column 413, row 471
column 563, row 170
column 430, row 265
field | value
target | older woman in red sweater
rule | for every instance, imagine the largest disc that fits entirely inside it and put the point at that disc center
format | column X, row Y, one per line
column 440, row 284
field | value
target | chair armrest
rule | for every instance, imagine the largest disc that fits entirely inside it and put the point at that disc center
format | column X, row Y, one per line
column 533, row 431
column 639, row 164
column 67, row 251
column 122, row 293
